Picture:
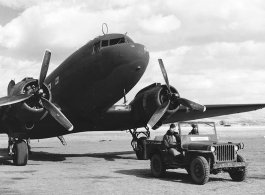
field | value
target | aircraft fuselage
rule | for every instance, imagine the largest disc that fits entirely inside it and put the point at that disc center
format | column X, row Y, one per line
column 95, row 77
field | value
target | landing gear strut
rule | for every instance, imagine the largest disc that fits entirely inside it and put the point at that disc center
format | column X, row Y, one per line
column 137, row 143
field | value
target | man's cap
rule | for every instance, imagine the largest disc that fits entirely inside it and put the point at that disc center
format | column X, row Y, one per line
column 172, row 125
column 193, row 125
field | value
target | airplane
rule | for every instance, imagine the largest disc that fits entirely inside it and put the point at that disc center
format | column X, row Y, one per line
column 80, row 95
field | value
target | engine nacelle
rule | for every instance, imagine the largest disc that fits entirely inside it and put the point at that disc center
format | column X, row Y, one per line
column 32, row 109
column 149, row 99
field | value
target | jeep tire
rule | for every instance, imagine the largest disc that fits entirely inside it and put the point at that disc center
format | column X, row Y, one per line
column 199, row 170
column 158, row 168
column 239, row 175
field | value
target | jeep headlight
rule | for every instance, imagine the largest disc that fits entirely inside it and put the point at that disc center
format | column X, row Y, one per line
column 212, row 148
column 236, row 148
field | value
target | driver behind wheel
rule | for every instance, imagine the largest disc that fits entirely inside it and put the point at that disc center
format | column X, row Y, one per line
column 171, row 140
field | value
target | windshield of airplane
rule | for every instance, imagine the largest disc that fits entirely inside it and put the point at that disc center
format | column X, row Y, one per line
column 105, row 43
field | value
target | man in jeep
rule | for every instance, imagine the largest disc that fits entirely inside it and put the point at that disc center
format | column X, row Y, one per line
column 194, row 130
column 171, row 140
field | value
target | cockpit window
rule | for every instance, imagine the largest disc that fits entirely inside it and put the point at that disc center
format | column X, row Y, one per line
column 128, row 40
column 117, row 41
column 105, row 43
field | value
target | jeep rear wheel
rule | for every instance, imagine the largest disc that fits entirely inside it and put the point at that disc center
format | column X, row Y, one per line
column 199, row 170
column 158, row 168
column 239, row 174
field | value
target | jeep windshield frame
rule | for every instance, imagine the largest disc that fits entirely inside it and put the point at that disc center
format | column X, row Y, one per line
column 207, row 133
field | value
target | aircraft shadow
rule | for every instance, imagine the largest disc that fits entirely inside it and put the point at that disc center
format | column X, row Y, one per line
column 257, row 177
column 53, row 157
column 6, row 162
column 109, row 156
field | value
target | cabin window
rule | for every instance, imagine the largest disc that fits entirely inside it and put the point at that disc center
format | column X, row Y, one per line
column 117, row 41
column 105, row 43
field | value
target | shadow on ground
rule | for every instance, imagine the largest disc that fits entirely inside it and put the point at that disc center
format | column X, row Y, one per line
column 170, row 176
column 53, row 157
column 109, row 156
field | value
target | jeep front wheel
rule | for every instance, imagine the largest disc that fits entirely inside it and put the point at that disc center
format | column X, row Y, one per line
column 239, row 174
column 199, row 170
column 158, row 168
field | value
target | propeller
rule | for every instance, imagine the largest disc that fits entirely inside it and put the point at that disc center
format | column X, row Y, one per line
column 44, row 67
column 57, row 114
column 9, row 87
column 172, row 98
column 38, row 93
column 8, row 100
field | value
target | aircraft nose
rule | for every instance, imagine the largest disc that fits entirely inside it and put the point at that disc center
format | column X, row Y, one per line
column 139, row 51
column 134, row 53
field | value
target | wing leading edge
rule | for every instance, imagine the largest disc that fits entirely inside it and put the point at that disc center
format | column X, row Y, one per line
column 212, row 111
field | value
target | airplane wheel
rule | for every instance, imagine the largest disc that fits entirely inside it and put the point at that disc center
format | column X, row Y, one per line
column 141, row 150
column 239, row 175
column 20, row 150
column 199, row 170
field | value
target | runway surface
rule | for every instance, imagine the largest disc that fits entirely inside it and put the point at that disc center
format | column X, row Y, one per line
column 104, row 163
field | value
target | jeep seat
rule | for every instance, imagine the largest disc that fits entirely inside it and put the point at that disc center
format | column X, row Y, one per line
column 159, row 138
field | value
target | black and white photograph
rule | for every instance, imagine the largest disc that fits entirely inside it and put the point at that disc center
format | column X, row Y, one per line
column 132, row 97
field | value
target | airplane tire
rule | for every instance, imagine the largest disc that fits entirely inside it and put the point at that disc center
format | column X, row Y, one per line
column 239, row 175
column 141, row 150
column 199, row 170
column 158, row 168
column 20, row 150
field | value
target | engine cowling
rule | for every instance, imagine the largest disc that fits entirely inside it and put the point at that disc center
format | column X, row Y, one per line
column 149, row 99
column 32, row 109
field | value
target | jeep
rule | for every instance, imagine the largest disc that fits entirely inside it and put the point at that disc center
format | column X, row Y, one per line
column 201, row 154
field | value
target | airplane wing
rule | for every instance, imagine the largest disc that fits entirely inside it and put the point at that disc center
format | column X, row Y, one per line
column 161, row 104
column 212, row 111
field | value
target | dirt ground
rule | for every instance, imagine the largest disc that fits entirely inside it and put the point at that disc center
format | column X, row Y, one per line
column 104, row 163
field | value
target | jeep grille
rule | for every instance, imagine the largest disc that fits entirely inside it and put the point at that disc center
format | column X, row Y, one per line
column 225, row 153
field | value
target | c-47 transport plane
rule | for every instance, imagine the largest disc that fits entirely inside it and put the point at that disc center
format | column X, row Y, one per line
column 79, row 95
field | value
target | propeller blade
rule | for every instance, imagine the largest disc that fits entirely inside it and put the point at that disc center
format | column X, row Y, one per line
column 44, row 67
column 10, row 86
column 158, row 114
column 164, row 72
column 57, row 114
column 7, row 100
column 191, row 105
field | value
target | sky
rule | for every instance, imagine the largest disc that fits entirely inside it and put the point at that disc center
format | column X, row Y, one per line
column 213, row 51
